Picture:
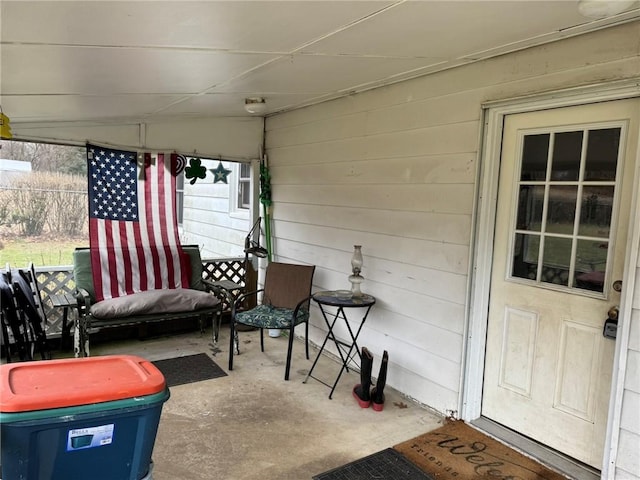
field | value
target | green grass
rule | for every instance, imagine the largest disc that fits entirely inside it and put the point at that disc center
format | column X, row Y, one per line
column 41, row 251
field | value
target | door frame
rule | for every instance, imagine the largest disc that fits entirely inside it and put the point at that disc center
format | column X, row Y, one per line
column 493, row 114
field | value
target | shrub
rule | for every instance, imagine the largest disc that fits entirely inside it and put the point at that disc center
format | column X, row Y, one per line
column 52, row 200
column 5, row 208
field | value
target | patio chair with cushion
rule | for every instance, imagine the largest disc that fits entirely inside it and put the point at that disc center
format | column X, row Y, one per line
column 285, row 304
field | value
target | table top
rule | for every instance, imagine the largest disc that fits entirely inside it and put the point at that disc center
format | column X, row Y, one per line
column 63, row 300
column 226, row 284
column 343, row 298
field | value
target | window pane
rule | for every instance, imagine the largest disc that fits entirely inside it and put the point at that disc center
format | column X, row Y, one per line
column 556, row 260
column 530, row 203
column 534, row 157
column 567, row 150
column 596, row 211
column 180, row 198
column 562, row 209
column 602, row 154
column 591, row 262
column 244, row 195
column 525, row 256
column 180, row 207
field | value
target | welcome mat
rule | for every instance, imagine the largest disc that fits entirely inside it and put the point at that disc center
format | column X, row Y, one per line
column 189, row 369
column 458, row 451
column 387, row 464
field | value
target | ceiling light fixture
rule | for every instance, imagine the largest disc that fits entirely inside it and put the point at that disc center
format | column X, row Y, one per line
column 603, row 8
column 255, row 105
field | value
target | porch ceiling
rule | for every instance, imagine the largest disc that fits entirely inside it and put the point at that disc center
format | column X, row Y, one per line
column 140, row 61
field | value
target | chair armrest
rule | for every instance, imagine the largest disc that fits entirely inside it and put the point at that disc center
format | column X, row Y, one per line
column 301, row 304
column 240, row 300
column 83, row 298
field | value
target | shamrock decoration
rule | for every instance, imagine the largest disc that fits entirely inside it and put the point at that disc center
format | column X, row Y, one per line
column 220, row 173
column 195, row 170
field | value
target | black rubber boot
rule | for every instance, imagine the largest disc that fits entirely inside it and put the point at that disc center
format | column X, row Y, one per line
column 377, row 392
column 361, row 391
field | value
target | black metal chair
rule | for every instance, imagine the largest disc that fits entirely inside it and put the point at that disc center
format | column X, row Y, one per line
column 29, row 303
column 14, row 330
column 284, row 305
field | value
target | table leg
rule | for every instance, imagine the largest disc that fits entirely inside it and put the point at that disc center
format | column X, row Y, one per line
column 326, row 338
column 66, row 330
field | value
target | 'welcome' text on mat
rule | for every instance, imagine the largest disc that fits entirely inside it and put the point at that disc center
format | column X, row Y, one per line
column 458, row 451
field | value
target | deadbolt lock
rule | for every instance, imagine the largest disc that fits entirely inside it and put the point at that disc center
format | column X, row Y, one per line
column 611, row 323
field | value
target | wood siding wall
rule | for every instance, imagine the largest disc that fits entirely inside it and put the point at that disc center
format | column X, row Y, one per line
column 394, row 170
column 210, row 217
column 628, row 458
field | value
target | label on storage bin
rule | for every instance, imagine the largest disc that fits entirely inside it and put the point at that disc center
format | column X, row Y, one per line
column 91, row 437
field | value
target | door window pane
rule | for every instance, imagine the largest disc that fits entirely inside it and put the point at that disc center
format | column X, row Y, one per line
column 596, row 211
column 602, row 154
column 562, row 209
column 535, row 152
column 556, row 257
column 591, row 261
column 525, row 256
column 530, row 204
column 567, row 150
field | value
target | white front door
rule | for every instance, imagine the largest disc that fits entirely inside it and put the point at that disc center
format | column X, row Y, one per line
column 561, row 225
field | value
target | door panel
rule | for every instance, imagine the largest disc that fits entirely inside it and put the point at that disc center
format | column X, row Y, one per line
column 561, row 226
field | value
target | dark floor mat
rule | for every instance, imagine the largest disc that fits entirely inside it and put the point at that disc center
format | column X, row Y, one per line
column 189, row 369
column 387, row 464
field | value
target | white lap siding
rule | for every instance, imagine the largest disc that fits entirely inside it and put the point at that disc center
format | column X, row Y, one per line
column 394, row 169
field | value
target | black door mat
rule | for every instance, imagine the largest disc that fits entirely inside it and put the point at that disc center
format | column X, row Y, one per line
column 189, row 369
column 386, row 464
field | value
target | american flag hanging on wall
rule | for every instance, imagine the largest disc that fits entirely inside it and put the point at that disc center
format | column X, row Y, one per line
column 133, row 230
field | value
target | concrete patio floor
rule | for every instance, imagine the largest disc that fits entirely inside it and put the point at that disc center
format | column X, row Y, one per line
column 252, row 424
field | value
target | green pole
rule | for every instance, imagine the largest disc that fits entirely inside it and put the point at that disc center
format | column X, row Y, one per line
column 265, row 199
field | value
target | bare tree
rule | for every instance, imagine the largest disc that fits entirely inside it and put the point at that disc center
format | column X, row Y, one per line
column 46, row 157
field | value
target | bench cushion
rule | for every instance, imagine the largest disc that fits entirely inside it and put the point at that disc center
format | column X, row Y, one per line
column 154, row 302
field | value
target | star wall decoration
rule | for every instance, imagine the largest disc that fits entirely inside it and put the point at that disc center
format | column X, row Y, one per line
column 220, row 173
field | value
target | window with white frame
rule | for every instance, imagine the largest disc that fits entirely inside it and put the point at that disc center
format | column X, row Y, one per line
column 243, row 198
column 180, row 197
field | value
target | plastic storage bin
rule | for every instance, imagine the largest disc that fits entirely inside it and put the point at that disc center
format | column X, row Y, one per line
column 83, row 418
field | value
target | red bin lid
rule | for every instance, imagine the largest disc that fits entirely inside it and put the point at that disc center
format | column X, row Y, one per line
column 48, row 384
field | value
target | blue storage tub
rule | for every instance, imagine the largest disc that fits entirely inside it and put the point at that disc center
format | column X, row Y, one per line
column 88, row 418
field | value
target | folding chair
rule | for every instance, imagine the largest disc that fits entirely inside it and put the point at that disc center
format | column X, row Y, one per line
column 34, row 317
column 14, row 329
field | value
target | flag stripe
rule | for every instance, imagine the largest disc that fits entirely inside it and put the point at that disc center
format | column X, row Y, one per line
column 164, row 185
column 127, row 273
column 141, row 271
